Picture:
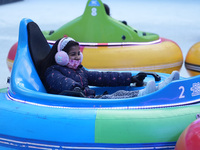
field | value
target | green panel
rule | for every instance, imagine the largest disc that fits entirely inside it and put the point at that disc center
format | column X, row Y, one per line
column 96, row 26
column 143, row 126
column 3, row 90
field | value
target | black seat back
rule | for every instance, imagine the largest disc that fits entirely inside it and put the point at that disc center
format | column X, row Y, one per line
column 38, row 45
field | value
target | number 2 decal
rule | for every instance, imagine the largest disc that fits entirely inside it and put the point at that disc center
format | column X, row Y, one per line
column 182, row 92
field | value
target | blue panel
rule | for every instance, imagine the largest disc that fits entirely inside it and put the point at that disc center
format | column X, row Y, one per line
column 24, row 74
column 47, row 123
column 94, row 3
column 5, row 148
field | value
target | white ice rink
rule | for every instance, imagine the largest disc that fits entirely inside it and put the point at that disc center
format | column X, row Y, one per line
column 178, row 20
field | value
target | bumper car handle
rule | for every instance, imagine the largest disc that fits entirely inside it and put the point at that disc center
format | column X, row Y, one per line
column 155, row 75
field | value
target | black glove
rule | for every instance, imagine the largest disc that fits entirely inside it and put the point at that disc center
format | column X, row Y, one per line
column 138, row 79
column 77, row 89
column 77, row 92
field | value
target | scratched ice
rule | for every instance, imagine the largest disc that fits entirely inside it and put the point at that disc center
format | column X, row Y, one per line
column 195, row 89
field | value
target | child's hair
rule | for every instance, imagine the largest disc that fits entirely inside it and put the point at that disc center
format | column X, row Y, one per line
column 69, row 45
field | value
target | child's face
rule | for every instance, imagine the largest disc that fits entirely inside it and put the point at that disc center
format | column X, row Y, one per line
column 74, row 53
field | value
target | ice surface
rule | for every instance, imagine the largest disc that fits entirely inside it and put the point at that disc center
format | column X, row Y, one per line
column 177, row 20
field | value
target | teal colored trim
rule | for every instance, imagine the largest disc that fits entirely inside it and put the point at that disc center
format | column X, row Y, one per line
column 3, row 90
